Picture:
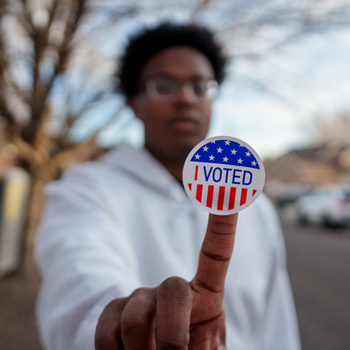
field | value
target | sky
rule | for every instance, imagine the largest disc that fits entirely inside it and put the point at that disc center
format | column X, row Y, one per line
column 270, row 103
column 302, row 82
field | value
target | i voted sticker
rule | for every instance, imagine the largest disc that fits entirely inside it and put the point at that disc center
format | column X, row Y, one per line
column 223, row 175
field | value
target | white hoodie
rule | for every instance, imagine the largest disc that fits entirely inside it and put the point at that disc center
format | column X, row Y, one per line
column 124, row 222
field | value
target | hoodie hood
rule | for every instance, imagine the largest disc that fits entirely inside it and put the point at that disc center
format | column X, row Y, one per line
column 141, row 164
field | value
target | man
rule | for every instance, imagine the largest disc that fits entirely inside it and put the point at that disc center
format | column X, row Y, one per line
column 116, row 232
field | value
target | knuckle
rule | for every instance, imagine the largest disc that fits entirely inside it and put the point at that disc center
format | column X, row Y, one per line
column 143, row 301
column 139, row 312
column 216, row 257
column 199, row 285
column 139, row 292
column 115, row 304
column 175, row 288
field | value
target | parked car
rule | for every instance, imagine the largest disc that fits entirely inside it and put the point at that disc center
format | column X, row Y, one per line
column 328, row 205
column 338, row 210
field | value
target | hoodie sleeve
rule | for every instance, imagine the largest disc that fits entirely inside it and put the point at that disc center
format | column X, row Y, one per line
column 76, row 255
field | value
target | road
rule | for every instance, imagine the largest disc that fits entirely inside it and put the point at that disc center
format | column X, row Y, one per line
column 319, row 267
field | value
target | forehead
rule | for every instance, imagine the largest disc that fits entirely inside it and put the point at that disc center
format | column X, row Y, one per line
column 180, row 62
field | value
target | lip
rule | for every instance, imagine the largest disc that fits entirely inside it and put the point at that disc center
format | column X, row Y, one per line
column 184, row 124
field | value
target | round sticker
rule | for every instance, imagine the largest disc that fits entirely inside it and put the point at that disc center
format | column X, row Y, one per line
column 223, row 175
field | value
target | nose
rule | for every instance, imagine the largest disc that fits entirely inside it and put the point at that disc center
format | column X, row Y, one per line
column 185, row 93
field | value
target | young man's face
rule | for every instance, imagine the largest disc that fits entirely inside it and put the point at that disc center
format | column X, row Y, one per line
column 170, row 101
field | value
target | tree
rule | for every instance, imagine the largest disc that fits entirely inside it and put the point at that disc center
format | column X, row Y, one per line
column 40, row 48
column 55, row 69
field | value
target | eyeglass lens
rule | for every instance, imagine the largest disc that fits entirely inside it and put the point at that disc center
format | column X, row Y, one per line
column 164, row 86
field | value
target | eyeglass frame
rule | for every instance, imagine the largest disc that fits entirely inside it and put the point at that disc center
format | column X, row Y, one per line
column 148, row 87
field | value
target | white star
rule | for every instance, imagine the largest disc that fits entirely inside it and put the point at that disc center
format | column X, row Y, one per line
column 225, row 159
column 247, row 154
column 254, row 163
column 233, row 151
column 197, row 156
column 205, row 148
column 219, row 150
column 212, row 141
column 227, row 142
column 211, row 157
column 241, row 146
column 240, row 161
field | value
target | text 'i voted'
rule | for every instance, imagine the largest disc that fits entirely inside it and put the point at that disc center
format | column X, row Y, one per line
column 223, row 175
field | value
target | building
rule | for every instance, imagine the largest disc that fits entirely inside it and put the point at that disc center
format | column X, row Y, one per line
column 291, row 174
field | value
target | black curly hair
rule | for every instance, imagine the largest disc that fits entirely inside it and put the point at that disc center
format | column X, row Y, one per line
column 150, row 41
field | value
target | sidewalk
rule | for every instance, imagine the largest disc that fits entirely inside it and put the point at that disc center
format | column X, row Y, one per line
column 17, row 303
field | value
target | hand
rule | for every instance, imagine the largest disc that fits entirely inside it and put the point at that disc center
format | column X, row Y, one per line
column 176, row 314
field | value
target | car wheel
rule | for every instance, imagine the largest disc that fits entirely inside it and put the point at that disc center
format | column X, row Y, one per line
column 328, row 222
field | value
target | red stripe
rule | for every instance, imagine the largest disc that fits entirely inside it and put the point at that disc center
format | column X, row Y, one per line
column 243, row 196
column 190, row 187
column 221, row 198
column 254, row 191
column 199, row 193
column 210, row 196
column 196, row 173
column 231, row 203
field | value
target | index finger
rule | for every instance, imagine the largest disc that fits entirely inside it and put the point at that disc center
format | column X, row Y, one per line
column 215, row 257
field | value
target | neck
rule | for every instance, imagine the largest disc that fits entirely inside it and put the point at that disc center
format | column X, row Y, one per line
column 173, row 164
column 175, row 169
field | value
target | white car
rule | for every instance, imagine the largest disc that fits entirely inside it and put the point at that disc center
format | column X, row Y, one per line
column 337, row 212
column 329, row 205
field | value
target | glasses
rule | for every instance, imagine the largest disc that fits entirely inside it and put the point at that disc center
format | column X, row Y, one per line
column 163, row 87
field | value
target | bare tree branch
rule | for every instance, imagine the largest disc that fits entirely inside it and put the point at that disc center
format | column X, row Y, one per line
column 61, row 159
column 4, row 112
column 52, row 14
column 40, row 112
column 200, row 7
